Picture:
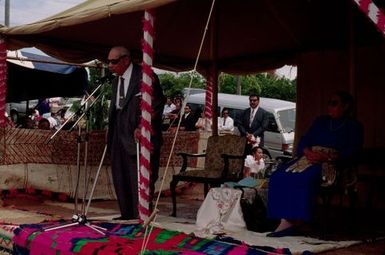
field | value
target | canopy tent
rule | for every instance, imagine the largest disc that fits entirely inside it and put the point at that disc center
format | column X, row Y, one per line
column 333, row 43
column 33, row 76
column 248, row 37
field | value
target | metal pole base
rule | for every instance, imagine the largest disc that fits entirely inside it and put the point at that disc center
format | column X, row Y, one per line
column 78, row 219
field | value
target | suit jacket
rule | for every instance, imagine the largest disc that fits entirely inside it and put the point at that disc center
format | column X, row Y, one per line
column 189, row 122
column 131, row 112
column 258, row 126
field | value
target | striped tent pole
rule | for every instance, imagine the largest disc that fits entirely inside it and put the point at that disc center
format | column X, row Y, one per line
column 209, row 99
column 146, row 129
column 3, row 81
column 375, row 14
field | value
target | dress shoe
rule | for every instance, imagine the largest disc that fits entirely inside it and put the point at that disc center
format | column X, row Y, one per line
column 290, row 231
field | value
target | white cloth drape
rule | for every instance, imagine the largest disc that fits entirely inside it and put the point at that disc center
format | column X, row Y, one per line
column 221, row 211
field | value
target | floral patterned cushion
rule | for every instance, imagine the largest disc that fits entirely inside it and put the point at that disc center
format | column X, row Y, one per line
column 214, row 163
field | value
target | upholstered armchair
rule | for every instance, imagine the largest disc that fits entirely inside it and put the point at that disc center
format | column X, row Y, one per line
column 224, row 159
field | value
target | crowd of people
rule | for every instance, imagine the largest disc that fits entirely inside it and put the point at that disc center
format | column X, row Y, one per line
column 42, row 116
column 193, row 120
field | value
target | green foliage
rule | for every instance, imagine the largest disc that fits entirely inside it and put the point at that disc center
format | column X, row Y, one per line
column 274, row 87
column 173, row 84
column 228, row 84
column 98, row 114
column 265, row 85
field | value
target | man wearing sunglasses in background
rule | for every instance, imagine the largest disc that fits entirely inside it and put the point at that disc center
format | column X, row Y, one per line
column 253, row 122
column 124, row 130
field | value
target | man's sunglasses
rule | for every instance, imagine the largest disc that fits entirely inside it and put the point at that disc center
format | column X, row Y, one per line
column 116, row 60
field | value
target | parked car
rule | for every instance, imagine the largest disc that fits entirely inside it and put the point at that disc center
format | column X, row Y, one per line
column 21, row 106
column 279, row 136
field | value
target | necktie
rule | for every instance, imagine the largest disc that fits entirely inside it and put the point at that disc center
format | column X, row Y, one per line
column 224, row 121
column 251, row 116
column 121, row 93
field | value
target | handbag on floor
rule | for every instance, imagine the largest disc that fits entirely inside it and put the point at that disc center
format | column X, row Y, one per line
column 254, row 211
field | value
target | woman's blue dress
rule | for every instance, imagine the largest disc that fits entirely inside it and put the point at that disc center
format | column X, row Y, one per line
column 292, row 195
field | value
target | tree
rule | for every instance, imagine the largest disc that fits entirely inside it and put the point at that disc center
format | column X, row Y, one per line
column 275, row 87
column 263, row 84
column 173, row 84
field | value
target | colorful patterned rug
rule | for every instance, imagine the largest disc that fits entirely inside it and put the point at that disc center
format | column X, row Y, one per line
column 123, row 239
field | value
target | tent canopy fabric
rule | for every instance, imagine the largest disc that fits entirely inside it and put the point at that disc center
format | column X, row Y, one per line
column 33, row 80
column 248, row 37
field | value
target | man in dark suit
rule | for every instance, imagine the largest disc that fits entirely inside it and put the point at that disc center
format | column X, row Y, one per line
column 124, row 130
column 253, row 122
column 188, row 119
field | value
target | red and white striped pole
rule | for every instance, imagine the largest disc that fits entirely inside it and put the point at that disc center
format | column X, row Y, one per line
column 3, row 81
column 375, row 14
column 209, row 99
column 146, row 130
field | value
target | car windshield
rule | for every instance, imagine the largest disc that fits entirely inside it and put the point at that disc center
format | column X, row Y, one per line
column 287, row 119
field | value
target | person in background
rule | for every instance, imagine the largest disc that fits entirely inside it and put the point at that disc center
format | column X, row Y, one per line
column 43, row 106
column 168, row 115
column 168, row 107
column 14, row 118
column 178, row 101
column 225, row 123
column 334, row 139
column 203, row 123
column 253, row 122
column 61, row 116
column 174, row 115
column 43, row 124
column 254, row 163
column 53, row 122
column 123, row 133
column 188, row 119
column 8, row 121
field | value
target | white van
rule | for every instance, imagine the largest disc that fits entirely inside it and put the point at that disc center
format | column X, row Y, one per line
column 279, row 136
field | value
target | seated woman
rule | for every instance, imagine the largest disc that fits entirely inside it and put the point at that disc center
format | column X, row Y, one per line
column 337, row 138
column 254, row 164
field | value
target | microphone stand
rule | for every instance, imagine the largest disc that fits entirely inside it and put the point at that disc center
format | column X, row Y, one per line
column 81, row 219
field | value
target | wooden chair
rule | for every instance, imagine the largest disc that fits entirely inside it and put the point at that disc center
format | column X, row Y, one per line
column 224, row 159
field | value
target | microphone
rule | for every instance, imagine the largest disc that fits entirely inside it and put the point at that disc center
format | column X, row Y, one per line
column 108, row 77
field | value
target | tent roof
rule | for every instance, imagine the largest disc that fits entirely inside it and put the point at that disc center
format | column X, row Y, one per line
column 249, row 35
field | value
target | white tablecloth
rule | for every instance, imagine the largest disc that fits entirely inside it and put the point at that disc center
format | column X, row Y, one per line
column 221, row 211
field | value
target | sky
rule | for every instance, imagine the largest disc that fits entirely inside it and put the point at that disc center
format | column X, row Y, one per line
column 28, row 11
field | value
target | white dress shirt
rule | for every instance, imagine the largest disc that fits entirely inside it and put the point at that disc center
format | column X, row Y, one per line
column 168, row 108
column 225, row 124
column 127, row 77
